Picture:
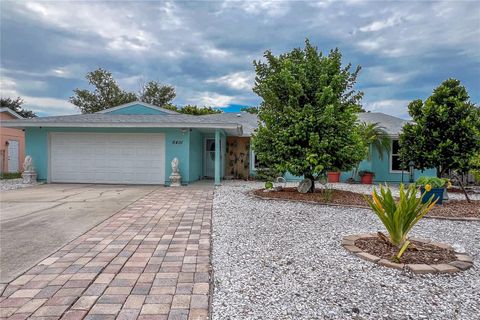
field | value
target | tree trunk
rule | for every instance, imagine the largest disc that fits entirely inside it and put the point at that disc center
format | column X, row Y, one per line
column 312, row 179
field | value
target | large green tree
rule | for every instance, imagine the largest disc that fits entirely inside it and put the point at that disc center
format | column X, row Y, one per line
column 107, row 93
column 157, row 94
column 16, row 105
column 308, row 114
column 445, row 130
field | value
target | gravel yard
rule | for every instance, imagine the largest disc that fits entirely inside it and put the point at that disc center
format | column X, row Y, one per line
column 12, row 184
column 283, row 260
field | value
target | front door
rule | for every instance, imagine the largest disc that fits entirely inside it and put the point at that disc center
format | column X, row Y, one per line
column 210, row 158
column 13, row 156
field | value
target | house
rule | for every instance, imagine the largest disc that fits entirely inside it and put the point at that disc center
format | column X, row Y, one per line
column 12, row 143
column 135, row 143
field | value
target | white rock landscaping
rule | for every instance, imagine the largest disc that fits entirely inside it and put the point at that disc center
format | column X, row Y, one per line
column 284, row 260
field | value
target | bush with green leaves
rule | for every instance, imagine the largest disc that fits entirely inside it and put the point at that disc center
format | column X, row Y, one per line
column 11, row 175
column 308, row 114
column 399, row 217
column 434, row 182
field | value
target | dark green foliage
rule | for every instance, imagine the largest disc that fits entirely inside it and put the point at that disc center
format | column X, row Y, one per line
column 252, row 110
column 157, row 94
column 445, row 133
column 106, row 94
column 16, row 105
column 10, row 175
column 198, row 111
column 308, row 114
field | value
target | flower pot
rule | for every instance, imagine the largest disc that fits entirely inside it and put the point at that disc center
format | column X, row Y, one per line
column 437, row 193
column 366, row 178
column 333, row 177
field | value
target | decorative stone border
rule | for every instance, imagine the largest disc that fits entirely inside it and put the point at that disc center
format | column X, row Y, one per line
column 463, row 262
column 252, row 194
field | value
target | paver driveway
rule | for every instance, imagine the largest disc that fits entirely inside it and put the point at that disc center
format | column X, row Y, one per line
column 151, row 260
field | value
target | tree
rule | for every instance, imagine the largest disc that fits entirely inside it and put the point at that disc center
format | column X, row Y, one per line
column 157, row 94
column 444, row 133
column 106, row 94
column 16, row 105
column 308, row 113
column 375, row 138
column 198, row 111
column 252, row 110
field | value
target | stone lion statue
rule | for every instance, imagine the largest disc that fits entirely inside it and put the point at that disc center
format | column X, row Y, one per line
column 28, row 164
column 175, row 165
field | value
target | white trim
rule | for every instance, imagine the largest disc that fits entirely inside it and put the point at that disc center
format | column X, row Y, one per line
column 10, row 111
column 390, row 158
column 147, row 105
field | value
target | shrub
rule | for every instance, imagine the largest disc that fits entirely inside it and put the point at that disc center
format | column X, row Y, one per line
column 11, row 175
column 433, row 182
column 399, row 217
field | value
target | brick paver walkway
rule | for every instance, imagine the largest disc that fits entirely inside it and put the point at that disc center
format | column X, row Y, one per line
column 151, row 260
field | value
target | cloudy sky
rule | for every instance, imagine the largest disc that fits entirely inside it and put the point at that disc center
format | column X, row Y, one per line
column 206, row 48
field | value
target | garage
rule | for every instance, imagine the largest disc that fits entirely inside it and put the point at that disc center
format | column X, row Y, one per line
column 122, row 158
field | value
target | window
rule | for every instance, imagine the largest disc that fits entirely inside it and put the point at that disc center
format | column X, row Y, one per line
column 395, row 161
column 256, row 163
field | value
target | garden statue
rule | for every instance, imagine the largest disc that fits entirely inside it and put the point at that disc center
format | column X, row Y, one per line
column 175, row 177
column 29, row 175
column 175, row 165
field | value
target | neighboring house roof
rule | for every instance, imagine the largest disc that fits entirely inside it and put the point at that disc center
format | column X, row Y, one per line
column 10, row 111
column 130, row 104
column 248, row 121
column 392, row 125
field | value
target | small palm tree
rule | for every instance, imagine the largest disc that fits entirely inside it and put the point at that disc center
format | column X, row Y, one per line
column 376, row 138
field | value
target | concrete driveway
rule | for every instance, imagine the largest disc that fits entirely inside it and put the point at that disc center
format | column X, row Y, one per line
column 36, row 221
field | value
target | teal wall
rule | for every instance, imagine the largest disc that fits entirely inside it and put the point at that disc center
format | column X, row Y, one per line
column 196, row 155
column 36, row 145
column 380, row 167
column 136, row 109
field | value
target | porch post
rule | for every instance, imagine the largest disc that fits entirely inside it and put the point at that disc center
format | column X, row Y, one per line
column 217, row 157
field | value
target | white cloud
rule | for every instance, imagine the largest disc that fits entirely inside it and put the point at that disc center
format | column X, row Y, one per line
column 392, row 107
column 380, row 24
column 242, row 80
column 212, row 99
column 381, row 75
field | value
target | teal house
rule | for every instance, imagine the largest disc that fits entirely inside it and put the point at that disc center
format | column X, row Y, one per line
column 135, row 143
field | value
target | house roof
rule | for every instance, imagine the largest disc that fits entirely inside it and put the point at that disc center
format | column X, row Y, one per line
column 105, row 120
column 248, row 121
column 392, row 125
column 10, row 111
column 147, row 105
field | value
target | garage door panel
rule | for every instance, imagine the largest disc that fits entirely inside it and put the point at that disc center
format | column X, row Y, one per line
column 108, row 158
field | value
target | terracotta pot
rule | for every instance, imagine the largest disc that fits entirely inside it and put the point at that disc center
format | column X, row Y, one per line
column 333, row 177
column 367, row 178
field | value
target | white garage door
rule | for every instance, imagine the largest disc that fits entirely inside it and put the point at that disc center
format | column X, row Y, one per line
column 107, row 158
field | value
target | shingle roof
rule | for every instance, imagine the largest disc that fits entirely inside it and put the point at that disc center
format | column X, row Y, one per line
column 392, row 125
column 248, row 121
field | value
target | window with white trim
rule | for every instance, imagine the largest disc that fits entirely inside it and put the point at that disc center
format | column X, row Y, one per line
column 395, row 161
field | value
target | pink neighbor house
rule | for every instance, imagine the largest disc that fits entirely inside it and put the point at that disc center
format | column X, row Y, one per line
column 12, row 143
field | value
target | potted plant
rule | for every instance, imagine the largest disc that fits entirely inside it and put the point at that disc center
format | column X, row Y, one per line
column 333, row 176
column 366, row 177
column 432, row 188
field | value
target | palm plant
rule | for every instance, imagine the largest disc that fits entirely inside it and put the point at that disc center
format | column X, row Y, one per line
column 399, row 217
column 375, row 138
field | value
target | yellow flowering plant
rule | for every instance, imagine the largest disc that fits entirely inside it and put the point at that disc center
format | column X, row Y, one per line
column 400, row 216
